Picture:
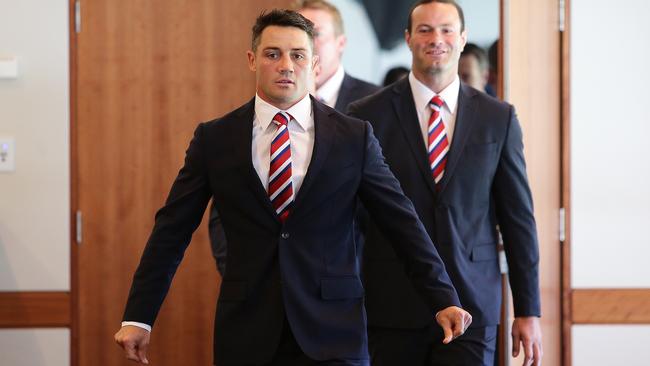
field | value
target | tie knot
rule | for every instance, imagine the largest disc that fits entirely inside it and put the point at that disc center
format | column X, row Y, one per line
column 437, row 101
column 281, row 118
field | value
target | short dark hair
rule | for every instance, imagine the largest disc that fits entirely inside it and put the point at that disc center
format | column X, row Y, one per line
column 472, row 49
column 282, row 18
column 409, row 24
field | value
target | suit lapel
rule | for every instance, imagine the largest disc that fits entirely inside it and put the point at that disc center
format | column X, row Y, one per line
column 464, row 124
column 243, row 139
column 324, row 131
column 408, row 121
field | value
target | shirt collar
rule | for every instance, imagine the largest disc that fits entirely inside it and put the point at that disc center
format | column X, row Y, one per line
column 331, row 87
column 422, row 95
column 301, row 112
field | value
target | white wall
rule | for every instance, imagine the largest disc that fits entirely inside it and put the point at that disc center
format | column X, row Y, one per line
column 34, row 200
column 610, row 345
column 34, row 347
column 610, row 153
column 610, row 168
column 364, row 59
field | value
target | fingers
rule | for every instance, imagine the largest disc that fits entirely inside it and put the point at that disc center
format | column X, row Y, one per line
column 142, row 354
column 528, row 352
column 453, row 321
column 449, row 334
column 135, row 352
column 134, row 345
column 516, row 339
column 537, row 354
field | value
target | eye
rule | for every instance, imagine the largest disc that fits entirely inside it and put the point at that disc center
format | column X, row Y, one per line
column 272, row 55
column 298, row 56
column 424, row 30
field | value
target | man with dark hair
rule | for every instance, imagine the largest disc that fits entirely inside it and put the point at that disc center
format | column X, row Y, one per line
column 473, row 67
column 285, row 173
column 334, row 87
column 458, row 155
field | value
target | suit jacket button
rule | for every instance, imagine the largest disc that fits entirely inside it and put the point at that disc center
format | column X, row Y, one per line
column 285, row 235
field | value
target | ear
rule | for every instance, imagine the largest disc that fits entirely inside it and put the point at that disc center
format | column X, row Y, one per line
column 251, row 60
column 407, row 37
column 315, row 63
column 341, row 41
column 463, row 37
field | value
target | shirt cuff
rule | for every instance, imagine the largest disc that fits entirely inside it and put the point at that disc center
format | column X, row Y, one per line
column 139, row 325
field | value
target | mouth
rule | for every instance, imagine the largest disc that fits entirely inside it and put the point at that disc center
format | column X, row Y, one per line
column 284, row 82
column 436, row 52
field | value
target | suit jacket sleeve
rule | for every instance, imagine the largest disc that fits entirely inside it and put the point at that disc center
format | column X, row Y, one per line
column 387, row 205
column 514, row 208
column 175, row 222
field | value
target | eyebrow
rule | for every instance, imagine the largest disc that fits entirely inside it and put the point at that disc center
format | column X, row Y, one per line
column 278, row 49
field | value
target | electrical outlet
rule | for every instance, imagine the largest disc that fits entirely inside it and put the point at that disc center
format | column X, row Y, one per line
column 7, row 154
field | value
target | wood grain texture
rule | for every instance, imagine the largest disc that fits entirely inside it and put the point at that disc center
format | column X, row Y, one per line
column 146, row 74
column 34, row 309
column 74, row 300
column 533, row 86
column 610, row 306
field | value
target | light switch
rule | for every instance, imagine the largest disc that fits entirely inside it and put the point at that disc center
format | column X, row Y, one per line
column 7, row 154
column 8, row 67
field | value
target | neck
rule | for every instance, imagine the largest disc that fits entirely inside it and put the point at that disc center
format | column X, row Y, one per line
column 436, row 81
column 326, row 75
column 280, row 104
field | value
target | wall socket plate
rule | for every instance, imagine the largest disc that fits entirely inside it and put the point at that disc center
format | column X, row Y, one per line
column 7, row 154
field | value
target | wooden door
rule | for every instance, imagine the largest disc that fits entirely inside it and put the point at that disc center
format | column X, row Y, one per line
column 532, row 84
column 144, row 73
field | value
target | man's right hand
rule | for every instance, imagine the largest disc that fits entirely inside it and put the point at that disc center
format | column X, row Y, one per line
column 454, row 321
column 134, row 340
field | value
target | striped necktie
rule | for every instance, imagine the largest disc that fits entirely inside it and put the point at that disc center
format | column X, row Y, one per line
column 438, row 144
column 280, row 183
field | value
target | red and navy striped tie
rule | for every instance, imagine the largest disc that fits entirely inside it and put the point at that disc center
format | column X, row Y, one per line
column 280, row 183
column 438, row 145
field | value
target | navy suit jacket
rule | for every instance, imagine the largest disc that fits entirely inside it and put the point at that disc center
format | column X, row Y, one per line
column 353, row 89
column 484, row 184
column 306, row 269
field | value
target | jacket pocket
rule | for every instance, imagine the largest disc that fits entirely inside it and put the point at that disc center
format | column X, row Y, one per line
column 340, row 288
column 484, row 252
column 233, row 291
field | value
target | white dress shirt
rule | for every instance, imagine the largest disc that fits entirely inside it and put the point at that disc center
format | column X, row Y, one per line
column 422, row 95
column 328, row 93
column 301, row 135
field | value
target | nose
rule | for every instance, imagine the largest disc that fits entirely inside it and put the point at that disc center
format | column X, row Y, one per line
column 285, row 65
column 436, row 37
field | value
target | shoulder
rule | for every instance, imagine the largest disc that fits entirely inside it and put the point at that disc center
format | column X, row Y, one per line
column 364, row 86
column 232, row 118
column 379, row 101
column 345, row 125
column 485, row 102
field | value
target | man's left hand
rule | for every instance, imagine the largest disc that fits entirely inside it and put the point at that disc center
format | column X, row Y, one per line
column 527, row 332
column 454, row 321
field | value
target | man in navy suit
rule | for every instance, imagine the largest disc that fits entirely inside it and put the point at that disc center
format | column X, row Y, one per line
column 334, row 87
column 458, row 155
column 285, row 173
